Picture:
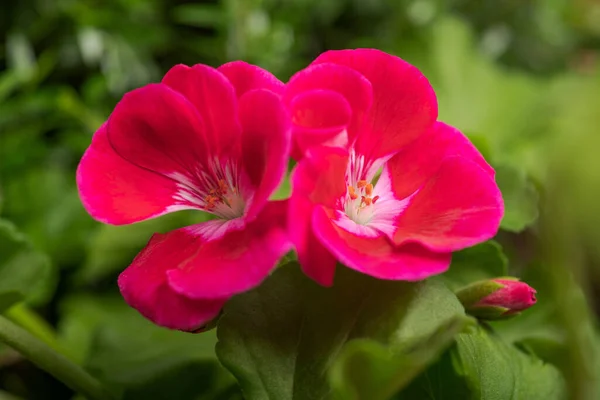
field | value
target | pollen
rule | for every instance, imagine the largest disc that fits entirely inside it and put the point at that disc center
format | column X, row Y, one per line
column 352, row 193
column 359, row 199
column 222, row 187
column 211, row 201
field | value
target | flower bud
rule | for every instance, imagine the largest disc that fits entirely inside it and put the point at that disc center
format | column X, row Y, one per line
column 496, row 298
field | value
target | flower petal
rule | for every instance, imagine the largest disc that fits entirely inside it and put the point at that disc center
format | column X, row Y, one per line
column 345, row 81
column 214, row 97
column 117, row 192
column 320, row 117
column 144, row 285
column 404, row 103
column 419, row 161
column 377, row 256
column 330, row 76
column 245, row 77
column 156, row 128
column 458, row 207
column 265, row 144
column 319, row 178
column 235, row 262
column 315, row 260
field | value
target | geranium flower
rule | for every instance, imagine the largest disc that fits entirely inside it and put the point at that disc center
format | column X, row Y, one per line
column 214, row 140
column 381, row 185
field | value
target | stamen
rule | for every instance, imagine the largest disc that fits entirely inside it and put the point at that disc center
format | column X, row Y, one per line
column 352, row 193
column 375, row 199
column 222, row 186
column 368, row 200
column 369, row 189
column 211, row 201
column 361, row 184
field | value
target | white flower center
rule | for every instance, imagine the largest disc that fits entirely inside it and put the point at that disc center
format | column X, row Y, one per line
column 359, row 203
column 217, row 190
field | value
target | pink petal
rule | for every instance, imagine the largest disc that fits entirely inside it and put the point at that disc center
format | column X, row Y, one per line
column 144, row 285
column 117, row 192
column 420, row 160
column 320, row 117
column 156, row 128
column 236, row 262
column 319, row 178
column 458, row 207
column 345, row 81
column 214, row 97
column 377, row 256
column 245, row 77
column 265, row 144
column 404, row 103
column 315, row 260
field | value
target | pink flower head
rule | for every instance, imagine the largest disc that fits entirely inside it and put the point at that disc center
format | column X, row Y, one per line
column 513, row 295
column 381, row 185
column 215, row 140
column 497, row 298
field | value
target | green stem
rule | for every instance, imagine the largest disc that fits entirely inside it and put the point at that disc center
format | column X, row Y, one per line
column 26, row 318
column 52, row 362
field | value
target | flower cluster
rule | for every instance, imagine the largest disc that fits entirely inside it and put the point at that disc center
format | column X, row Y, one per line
column 379, row 184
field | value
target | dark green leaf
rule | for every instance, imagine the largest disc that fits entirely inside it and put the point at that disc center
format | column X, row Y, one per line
column 24, row 272
column 121, row 346
column 439, row 382
column 367, row 369
column 194, row 380
column 281, row 339
column 495, row 370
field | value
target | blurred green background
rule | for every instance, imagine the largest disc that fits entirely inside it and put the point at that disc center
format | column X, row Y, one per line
column 520, row 77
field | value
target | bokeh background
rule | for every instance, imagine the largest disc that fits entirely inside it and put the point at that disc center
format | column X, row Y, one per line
column 520, row 77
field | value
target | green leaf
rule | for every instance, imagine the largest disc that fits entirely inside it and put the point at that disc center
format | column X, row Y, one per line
column 484, row 261
column 439, row 381
column 496, row 370
column 520, row 198
column 195, row 380
column 281, row 339
column 367, row 369
column 136, row 357
column 24, row 272
column 121, row 346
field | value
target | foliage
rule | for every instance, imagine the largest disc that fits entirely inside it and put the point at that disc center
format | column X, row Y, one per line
column 520, row 79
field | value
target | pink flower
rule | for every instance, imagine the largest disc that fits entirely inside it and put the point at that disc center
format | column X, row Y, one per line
column 497, row 298
column 514, row 296
column 215, row 140
column 358, row 113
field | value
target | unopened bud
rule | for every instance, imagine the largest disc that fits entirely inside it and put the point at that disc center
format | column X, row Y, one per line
column 497, row 298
